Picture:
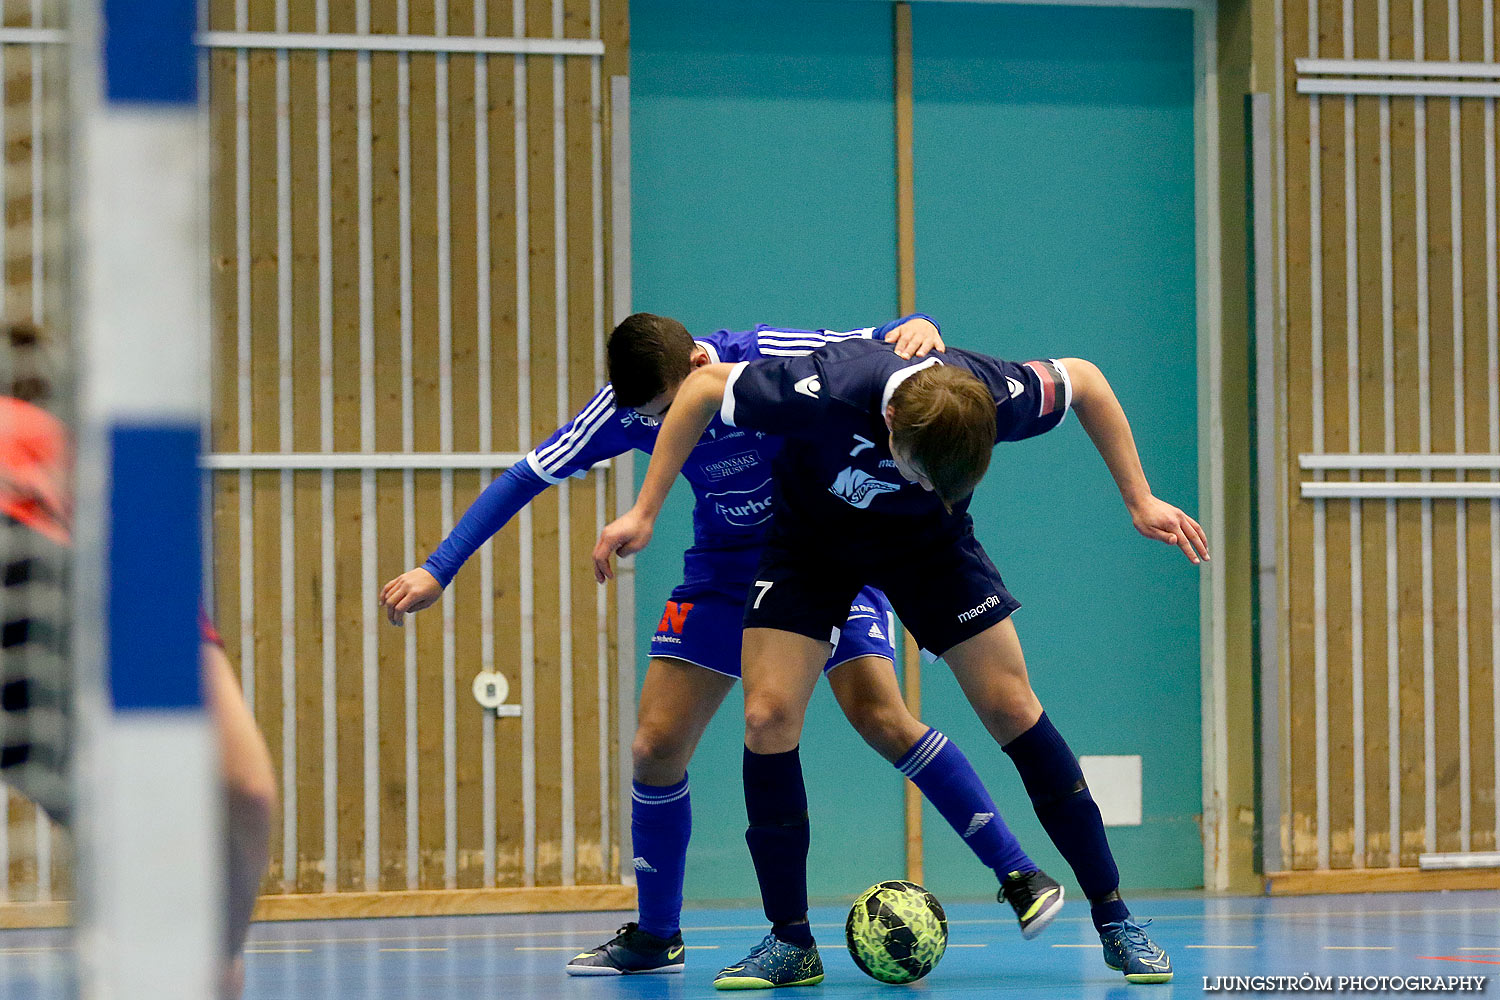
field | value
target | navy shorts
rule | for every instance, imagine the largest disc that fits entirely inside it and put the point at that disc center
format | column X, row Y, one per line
column 944, row 592
column 704, row 629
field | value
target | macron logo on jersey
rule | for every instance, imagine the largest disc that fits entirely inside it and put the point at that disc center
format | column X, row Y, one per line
column 809, row 386
column 859, row 489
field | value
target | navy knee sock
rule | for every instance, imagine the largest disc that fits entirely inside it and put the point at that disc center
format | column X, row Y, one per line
column 939, row 768
column 776, row 804
column 1062, row 802
column 661, row 820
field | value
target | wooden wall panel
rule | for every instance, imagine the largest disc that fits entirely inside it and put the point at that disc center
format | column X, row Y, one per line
column 1441, row 382
column 1478, row 385
column 452, row 835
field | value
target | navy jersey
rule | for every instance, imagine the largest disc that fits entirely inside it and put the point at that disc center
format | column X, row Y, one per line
column 729, row 470
column 835, row 471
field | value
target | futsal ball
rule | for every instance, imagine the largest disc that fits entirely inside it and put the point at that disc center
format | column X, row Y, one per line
column 897, row 932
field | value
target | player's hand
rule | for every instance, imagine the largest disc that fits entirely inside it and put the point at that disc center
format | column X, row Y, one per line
column 624, row 536
column 411, row 591
column 1159, row 520
column 916, row 338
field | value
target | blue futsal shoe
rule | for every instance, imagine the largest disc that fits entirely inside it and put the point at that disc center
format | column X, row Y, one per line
column 1127, row 949
column 773, row 962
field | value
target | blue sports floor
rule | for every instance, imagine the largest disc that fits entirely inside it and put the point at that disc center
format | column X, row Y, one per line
column 521, row 957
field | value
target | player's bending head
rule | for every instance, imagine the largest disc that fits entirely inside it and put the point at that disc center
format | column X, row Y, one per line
column 649, row 356
column 942, row 422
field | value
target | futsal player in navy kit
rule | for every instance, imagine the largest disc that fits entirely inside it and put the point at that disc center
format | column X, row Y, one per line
column 695, row 654
column 873, row 483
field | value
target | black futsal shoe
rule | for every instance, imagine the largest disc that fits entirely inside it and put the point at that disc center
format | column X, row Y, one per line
column 1035, row 897
column 631, row 952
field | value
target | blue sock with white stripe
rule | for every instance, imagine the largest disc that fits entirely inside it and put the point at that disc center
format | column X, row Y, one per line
column 939, row 768
column 661, row 820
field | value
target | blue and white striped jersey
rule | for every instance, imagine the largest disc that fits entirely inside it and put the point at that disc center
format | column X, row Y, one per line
column 729, row 470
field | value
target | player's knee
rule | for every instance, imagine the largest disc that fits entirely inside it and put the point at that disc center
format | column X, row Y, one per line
column 1010, row 713
column 250, row 799
column 656, row 748
column 769, row 724
column 890, row 730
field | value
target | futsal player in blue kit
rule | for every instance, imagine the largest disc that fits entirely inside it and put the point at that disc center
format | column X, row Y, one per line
column 873, row 482
column 695, row 654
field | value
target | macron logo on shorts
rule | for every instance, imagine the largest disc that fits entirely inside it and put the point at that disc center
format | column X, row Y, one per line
column 992, row 601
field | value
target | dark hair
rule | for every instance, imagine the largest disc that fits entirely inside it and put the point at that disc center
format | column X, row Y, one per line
column 943, row 421
column 648, row 354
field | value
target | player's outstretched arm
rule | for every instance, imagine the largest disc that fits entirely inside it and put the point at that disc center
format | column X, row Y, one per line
column 700, row 397
column 1104, row 419
column 412, row 591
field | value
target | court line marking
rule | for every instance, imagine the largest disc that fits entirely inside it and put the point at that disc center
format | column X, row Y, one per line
column 278, row 951
column 1479, row 949
column 1206, row 917
column 412, row 949
column 1224, row 947
column 690, row 947
column 1358, row 947
column 1455, row 958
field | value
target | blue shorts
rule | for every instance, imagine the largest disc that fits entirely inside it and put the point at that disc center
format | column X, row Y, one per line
column 704, row 629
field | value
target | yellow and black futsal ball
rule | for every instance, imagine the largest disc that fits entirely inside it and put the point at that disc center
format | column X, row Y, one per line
column 897, row 932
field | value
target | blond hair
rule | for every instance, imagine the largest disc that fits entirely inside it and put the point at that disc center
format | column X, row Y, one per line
column 943, row 421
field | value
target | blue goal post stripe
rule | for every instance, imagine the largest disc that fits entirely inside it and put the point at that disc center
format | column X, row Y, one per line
column 155, row 572
column 149, row 55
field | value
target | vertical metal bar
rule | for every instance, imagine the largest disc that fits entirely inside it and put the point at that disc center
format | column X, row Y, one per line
column 601, row 594
column 445, row 431
column 211, row 360
column 38, row 315
column 564, row 498
column 1424, row 396
column 369, row 581
column 1492, row 330
column 1283, row 513
column 486, row 419
column 1356, row 540
column 408, row 443
column 328, row 569
column 1269, row 484
column 1461, row 528
column 624, row 470
column 1388, row 381
column 285, row 417
column 1320, row 514
column 242, row 352
column 523, row 431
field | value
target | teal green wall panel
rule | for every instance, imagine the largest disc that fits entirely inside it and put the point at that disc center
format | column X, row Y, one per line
column 1055, row 217
column 763, row 190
